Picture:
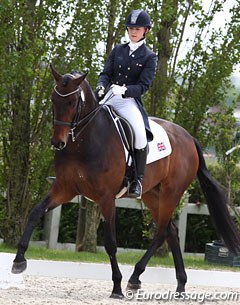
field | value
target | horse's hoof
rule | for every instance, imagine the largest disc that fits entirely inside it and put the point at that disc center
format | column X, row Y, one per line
column 19, row 267
column 180, row 289
column 180, row 295
column 133, row 287
column 118, row 296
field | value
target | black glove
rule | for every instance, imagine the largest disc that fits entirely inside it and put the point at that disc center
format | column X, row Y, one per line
column 99, row 93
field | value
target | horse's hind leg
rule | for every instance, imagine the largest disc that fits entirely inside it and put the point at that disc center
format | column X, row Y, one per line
column 161, row 204
column 134, row 283
column 173, row 242
column 151, row 199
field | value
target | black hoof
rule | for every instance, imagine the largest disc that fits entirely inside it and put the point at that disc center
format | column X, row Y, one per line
column 133, row 287
column 118, row 296
column 180, row 295
column 180, row 289
column 19, row 267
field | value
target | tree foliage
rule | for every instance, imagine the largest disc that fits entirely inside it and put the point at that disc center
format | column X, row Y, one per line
column 78, row 35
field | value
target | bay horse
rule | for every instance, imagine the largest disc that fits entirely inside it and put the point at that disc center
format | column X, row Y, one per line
column 90, row 160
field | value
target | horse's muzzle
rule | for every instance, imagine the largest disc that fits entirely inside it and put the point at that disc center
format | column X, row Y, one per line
column 58, row 145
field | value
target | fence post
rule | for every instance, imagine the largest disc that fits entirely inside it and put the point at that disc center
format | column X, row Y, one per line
column 51, row 227
column 182, row 227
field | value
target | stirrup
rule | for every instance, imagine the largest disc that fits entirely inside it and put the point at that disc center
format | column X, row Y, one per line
column 135, row 189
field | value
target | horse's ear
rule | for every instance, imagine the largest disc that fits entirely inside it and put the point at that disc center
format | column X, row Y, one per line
column 80, row 79
column 57, row 76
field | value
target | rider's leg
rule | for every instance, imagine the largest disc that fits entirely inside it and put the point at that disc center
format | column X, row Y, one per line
column 128, row 109
column 135, row 188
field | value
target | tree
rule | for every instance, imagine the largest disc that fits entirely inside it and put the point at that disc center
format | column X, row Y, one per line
column 24, row 118
column 30, row 39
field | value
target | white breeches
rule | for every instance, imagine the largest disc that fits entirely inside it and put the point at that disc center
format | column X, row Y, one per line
column 128, row 109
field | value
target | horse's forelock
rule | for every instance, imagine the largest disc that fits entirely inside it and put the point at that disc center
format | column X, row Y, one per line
column 66, row 79
column 69, row 76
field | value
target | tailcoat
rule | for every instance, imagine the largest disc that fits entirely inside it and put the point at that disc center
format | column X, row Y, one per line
column 135, row 71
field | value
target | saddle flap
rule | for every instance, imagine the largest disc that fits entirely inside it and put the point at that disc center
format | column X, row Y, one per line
column 124, row 128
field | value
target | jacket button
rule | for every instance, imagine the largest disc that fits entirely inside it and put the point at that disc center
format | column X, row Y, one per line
column 120, row 66
column 126, row 76
column 128, row 68
column 119, row 74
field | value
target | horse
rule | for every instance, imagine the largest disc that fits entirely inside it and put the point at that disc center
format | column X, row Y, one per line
column 90, row 160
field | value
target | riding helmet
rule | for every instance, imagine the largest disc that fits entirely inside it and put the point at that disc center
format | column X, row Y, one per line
column 138, row 18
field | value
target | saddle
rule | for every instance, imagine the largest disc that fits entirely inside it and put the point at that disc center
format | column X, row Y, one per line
column 159, row 148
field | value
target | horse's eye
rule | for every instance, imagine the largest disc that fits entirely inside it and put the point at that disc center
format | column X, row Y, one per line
column 71, row 103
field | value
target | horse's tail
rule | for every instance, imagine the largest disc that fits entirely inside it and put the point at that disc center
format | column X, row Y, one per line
column 217, row 204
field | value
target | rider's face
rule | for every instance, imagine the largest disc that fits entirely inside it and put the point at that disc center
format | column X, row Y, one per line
column 136, row 33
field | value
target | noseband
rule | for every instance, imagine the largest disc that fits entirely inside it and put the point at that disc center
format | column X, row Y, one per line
column 76, row 118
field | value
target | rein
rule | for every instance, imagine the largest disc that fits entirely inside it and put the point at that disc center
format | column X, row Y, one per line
column 76, row 120
column 89, row 117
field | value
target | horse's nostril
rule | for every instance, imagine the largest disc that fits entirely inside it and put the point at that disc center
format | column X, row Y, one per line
column 60, row 145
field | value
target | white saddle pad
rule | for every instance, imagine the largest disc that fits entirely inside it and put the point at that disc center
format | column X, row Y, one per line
column 160, row 146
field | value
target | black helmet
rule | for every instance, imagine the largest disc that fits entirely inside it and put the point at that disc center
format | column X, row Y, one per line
column 138, row 18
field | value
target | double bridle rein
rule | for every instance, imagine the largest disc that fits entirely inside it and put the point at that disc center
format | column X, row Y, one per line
column 76, row 118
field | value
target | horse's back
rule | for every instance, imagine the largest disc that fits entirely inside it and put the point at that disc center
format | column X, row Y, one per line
column 173, row 129
column 184, row 157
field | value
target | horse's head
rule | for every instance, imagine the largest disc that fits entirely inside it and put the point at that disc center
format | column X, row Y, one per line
column 68, row 99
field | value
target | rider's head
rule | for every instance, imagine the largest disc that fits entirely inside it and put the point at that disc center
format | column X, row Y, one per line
column 138, row 20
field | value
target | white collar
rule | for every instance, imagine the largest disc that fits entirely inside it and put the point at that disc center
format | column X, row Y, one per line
column 135, row 45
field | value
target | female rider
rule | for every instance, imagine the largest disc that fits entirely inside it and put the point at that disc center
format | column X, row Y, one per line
column 129, row 71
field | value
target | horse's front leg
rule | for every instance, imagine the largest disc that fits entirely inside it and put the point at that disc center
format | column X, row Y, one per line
column 111, row 249
column 20, row 263
column 54, row 198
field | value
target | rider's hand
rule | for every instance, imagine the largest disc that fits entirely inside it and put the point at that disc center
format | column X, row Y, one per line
column 100, row 90
column 118, row 90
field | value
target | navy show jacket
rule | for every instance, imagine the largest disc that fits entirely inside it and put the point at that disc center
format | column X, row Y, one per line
column 135, row 71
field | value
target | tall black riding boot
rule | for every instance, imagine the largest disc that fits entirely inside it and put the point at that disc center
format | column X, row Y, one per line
column 135, row 188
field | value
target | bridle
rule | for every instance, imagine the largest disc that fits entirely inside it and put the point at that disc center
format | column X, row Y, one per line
column 76, row 120
column 76, row 117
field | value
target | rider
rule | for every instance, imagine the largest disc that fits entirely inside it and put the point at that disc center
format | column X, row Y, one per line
column 129, row 71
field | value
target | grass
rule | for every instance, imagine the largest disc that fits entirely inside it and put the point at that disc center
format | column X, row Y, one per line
column 128, row 257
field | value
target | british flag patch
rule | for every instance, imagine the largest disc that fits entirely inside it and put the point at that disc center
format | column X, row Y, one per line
column 161, row 146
